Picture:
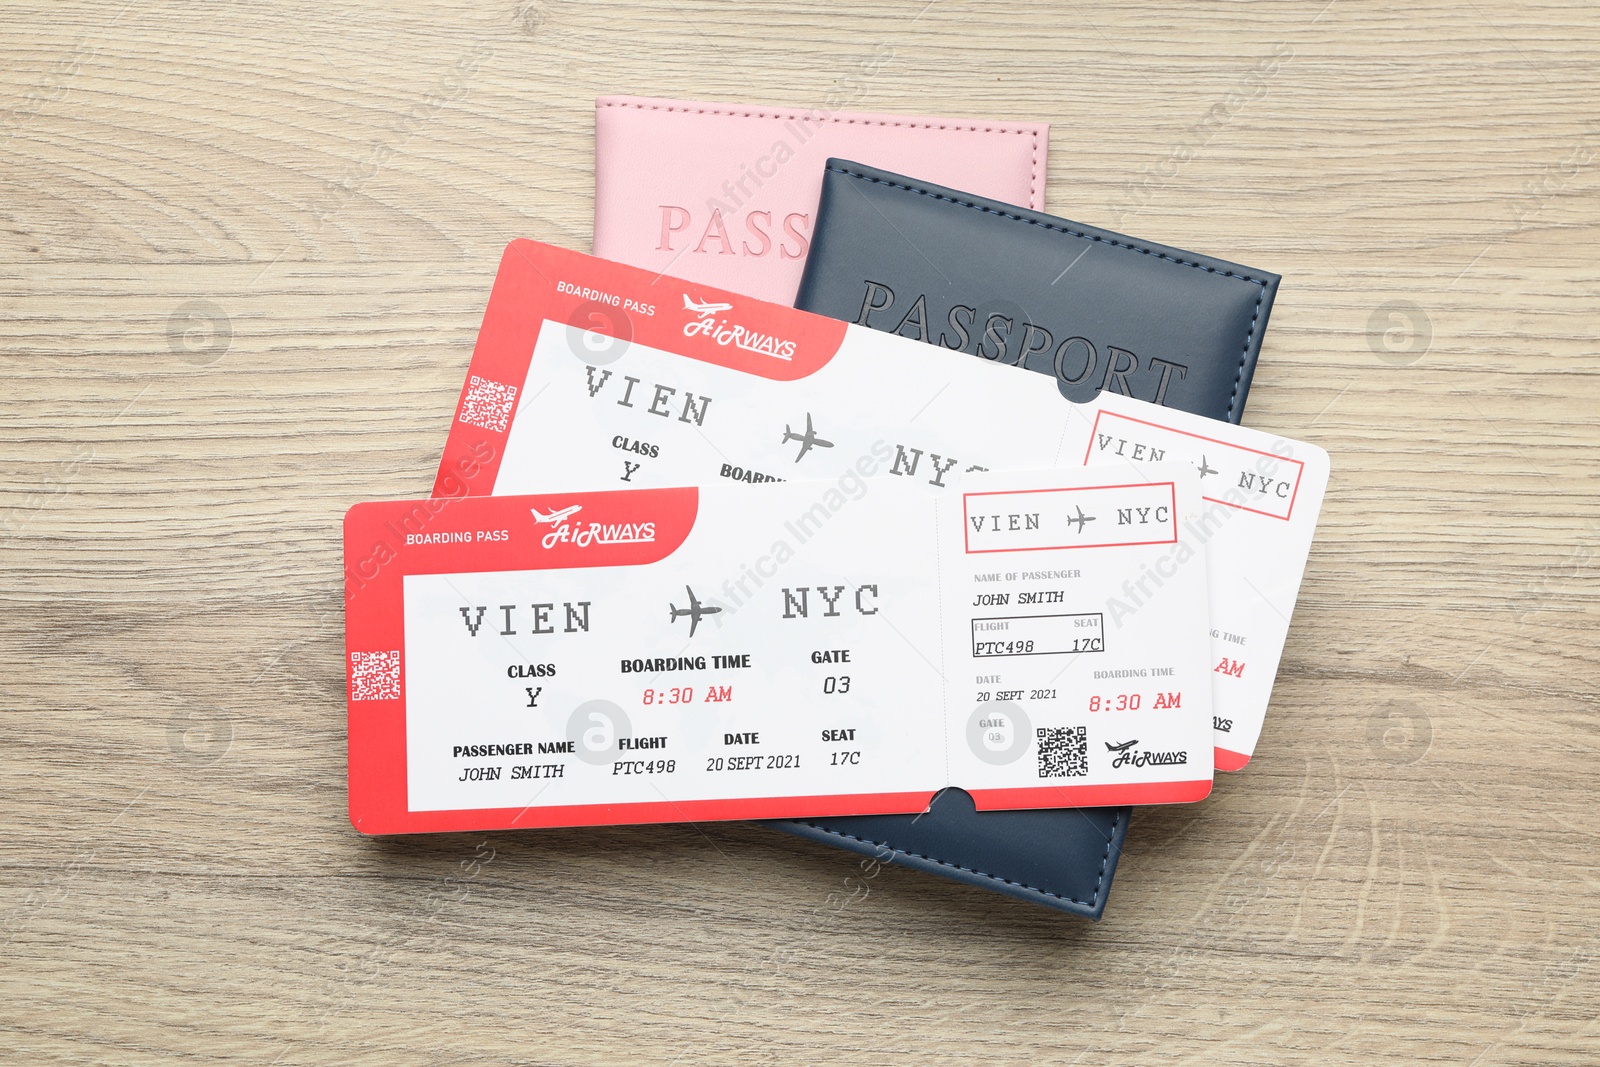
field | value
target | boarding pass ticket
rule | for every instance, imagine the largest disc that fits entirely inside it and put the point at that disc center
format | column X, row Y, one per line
column 589, row 374
column 796, row 649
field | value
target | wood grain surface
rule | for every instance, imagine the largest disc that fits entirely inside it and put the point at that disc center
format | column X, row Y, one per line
column 244, row 250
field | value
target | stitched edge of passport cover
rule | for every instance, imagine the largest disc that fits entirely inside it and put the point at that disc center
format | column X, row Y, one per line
column 853, row 118
column 1092, row 908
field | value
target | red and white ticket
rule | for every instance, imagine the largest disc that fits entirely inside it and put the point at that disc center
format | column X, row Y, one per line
column 589, row 374
column 838, row 647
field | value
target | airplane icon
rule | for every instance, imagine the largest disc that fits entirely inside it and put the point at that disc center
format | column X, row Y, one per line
column 703, row 310
column 806, row 439
column 694, row 611
column 1206, row 468
column 1080, row 519
column 555, row 517
column 1122, row 747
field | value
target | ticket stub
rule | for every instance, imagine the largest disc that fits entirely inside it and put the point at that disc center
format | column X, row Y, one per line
column 798, row 649
column 589, row 374
column 1262, row 495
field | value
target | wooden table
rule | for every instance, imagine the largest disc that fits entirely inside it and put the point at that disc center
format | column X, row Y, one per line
column 243, row 257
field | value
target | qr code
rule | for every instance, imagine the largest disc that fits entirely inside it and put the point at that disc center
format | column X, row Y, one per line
column 1063, row 751
column 375, row 675
column 488, row 404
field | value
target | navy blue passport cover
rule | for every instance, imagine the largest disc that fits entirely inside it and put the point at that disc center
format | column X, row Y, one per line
column 1096, row 310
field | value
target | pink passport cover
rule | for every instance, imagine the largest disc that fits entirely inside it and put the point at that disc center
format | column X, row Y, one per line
column 726, row 194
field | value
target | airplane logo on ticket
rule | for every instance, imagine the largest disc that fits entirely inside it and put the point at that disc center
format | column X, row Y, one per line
column 705, row 310
column 693, row 612
column 808, row 440
column 555, row 516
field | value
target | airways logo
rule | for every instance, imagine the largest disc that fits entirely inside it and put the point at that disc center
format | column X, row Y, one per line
column 724, row 333
column 1127, row 754
column 595, row 533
